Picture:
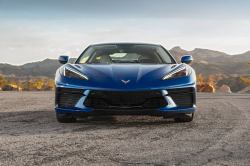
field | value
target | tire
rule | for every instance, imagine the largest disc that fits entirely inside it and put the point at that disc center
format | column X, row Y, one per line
column 65, row 119
column 184, row 118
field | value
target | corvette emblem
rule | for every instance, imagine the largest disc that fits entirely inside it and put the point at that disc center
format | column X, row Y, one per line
column 125, row 81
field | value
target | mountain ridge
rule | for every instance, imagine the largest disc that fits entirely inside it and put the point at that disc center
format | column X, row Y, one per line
column 208, row 62
column 207, row 55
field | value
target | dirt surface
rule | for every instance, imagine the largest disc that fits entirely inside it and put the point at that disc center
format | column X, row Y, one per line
column 30, row 134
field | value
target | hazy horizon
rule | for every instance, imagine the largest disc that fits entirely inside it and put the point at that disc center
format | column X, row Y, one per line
column 35, row 30
column 56, row 58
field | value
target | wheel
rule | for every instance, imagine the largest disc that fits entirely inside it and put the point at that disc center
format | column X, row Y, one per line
column 184, row 118
column 65, row 119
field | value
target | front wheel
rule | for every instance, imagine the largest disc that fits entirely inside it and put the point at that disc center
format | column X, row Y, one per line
column 184, row 118
column 62, row 118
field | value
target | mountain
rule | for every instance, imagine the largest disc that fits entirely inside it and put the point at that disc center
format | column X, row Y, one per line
column 7, row 69
column 45, row 68
column 209, row 55
column 227, row 69
column 233, row 83
column 241, row 57
column 48, row 66
column 46, row 63
column 207, row 62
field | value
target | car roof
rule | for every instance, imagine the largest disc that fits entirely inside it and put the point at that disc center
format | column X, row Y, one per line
column 124, row 44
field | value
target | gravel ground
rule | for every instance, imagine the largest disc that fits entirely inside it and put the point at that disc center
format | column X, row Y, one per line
column 30, row 134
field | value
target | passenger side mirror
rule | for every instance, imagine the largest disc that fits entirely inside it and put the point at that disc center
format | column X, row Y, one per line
column 63, row 59
column 186, row 59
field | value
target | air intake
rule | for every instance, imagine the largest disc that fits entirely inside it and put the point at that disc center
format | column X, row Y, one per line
column 183, row 97
column 143, row 99
column 67, row 97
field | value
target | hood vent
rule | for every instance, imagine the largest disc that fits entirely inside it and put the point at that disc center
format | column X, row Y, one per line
column 173, row 66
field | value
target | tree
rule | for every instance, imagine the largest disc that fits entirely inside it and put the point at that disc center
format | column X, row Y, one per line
column 3, row 81
column 13, row 82
column 211, row 79
column 29, row 84
column 245, row 80
column 40, row 83
column 51, row 83
column 20, row 85
column 200, row 79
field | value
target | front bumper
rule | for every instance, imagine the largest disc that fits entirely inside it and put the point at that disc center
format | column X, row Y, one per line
column 171, row 107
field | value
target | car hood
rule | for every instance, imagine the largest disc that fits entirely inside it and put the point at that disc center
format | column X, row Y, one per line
column 125, row 76
column 121, row 70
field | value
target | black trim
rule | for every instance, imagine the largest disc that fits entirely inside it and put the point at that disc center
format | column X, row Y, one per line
column 77, row 60
column 183, row 97
column 171, row 57
column 67, row 97
column 137, row 112
column 108, row 99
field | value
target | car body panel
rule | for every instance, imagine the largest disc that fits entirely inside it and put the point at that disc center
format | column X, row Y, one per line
column 132, row 72
column 113, row 77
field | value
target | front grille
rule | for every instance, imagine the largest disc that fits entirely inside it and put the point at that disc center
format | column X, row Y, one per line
column 67, row 97
column 183, row 97
column 144, row 99
column 180, row 90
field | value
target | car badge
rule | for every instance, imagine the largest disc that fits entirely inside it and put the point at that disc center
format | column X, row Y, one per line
column 125, row 82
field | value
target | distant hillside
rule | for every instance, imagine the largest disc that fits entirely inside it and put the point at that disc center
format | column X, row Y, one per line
column 209, row 55
column 7, row 69
column 241, row 57
column 207, row 62
column 25, row 79
column 45, row 68
column 46, row 63
column 228, row 69
column 233, row 83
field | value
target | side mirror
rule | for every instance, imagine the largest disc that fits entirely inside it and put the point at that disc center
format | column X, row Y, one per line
column 186, row 59
column 63, row 59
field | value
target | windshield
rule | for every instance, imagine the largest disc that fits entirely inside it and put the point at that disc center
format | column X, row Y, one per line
column 125, row 53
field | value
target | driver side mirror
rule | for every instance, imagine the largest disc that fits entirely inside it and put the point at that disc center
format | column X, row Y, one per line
column 186, row 59
column 63, row 59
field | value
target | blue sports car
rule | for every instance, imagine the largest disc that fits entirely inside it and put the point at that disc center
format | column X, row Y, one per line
column 125, row 79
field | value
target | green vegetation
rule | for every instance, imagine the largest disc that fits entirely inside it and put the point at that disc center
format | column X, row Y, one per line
column 212, row 80
column 200, row 79
column 38, row 83
column 3, row 81
column 245, row 80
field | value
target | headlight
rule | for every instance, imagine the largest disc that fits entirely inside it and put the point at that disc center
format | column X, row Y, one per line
column 69, row 72
column 182, row 72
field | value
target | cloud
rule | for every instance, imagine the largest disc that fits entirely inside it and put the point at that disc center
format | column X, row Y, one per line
column 68, row 53
column 10, row 48
column 55, row 50
column 128, row 21
column 51, row 28
column 64, row 32
column 102, row 30
column 95, row 9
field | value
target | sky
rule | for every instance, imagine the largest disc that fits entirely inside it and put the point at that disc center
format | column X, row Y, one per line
column 33, row 30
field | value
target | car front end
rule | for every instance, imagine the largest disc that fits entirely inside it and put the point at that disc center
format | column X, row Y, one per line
column 167, row 90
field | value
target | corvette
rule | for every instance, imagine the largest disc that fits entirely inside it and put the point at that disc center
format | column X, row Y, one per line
column 125, row 79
